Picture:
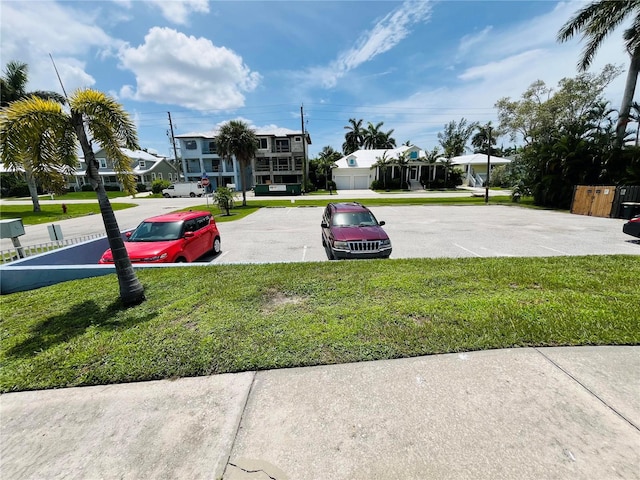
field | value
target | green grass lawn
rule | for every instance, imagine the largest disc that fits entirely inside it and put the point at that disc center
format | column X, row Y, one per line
column 53, row 212
column 229, row 318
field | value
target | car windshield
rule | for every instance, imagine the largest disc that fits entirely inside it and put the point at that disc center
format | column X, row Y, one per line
column 354, row 219
column 156, row 232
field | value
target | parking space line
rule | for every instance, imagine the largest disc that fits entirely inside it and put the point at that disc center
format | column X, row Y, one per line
column 215, row 260
column 304, row 253
column 553, row 250
column 467, row 250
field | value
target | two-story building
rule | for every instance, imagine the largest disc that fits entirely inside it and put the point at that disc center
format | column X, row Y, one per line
column 280, row 159
column 146, row 168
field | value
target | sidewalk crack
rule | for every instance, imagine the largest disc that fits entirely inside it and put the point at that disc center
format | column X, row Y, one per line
column 591, row 392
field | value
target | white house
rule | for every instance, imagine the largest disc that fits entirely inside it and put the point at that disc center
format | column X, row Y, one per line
column 356, row 172
column 475, row 167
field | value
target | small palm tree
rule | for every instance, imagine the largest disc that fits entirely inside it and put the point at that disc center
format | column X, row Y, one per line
column 431, row 158
column 33, row 124
column 326, row 161
column 13, row 86
column 596, row 21
column 381, row 165
column 235, row 138
column 402, row 161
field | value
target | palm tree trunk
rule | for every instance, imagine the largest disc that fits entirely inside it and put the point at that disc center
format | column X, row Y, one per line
column 131, row 290
column 33, row 190
column 627, row 97
column 241, row 163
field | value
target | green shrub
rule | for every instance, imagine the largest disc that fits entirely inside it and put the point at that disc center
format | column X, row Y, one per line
column 158, row 185
column 141, row 187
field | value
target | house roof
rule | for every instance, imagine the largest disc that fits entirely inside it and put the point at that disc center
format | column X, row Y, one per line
column 270, row 131
column 478, row 159
column 366, row 158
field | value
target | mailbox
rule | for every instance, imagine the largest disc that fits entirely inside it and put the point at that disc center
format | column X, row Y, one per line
column 11, row 228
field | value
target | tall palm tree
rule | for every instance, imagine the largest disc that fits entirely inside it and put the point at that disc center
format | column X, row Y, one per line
column 485, row 138
column 326, row 161
column 235, row 138
column 455, row 137
column 374, row 138
column 595, row 22
column 353, row 139
column 33, row 124
column 13, row 86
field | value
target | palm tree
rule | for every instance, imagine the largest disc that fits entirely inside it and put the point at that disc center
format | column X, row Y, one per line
column 326, row 161
column 33, row 124
column 374, row 138
column 596, row 21
column 431, row 158
column 381, row 165
column 353, row 139
column 484, row 139
column 13, row 87
column 235, row 138
column 402, row 161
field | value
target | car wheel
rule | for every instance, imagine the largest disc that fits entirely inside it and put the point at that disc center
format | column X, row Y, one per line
column 217, row 247
column 330, row 254
column 180, row 260
column 192, row 194
column 166, row 195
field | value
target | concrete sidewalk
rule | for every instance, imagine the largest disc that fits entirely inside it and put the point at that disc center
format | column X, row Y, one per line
column 529, row 413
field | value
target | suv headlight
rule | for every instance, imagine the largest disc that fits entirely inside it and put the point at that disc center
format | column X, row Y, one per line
column 341, row 245
column 385, row 243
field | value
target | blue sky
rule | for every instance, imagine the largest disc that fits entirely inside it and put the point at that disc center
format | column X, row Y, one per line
column 413, row 65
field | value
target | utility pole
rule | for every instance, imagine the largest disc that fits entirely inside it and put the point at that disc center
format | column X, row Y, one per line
column 175, row 152
column 304, row 150
column 486, row 191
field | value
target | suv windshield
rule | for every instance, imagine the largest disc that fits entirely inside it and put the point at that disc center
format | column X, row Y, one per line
column 354, row 219
column 156, row 232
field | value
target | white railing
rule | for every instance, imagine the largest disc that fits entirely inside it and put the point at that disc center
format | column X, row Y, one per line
column 24, row 251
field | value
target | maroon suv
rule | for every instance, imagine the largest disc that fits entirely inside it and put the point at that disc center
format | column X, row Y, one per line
column 350, row 230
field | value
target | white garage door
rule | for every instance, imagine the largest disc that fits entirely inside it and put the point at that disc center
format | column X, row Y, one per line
column 343, row 182
column 361, row 182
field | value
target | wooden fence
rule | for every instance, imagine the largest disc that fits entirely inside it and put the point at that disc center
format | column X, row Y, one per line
column 592, row 200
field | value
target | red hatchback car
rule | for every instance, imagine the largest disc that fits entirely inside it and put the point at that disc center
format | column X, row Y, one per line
column 171, row 238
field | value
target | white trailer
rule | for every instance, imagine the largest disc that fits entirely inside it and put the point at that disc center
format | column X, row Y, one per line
column 184, row 190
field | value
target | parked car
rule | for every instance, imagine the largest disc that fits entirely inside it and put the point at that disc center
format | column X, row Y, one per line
column 350, row 230
column 171, row 238
column 184, row 190
column 632, row 227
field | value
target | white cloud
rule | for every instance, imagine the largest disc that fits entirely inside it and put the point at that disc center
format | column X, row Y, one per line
column 469, row 41
column 385, row 35
column 178, row 11
column 173, row 68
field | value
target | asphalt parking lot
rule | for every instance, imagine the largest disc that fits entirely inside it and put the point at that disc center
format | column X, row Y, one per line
column 293, row 234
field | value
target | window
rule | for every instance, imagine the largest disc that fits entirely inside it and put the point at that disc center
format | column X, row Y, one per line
column 190, row 144
column 413, row 155
column 103, row 163
column 263, row 143
column 153, row 176
column 282, row 145
column 352, row 162
column 297, row 139
column 141, row 164
column 160, row 175
column 209, row 147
